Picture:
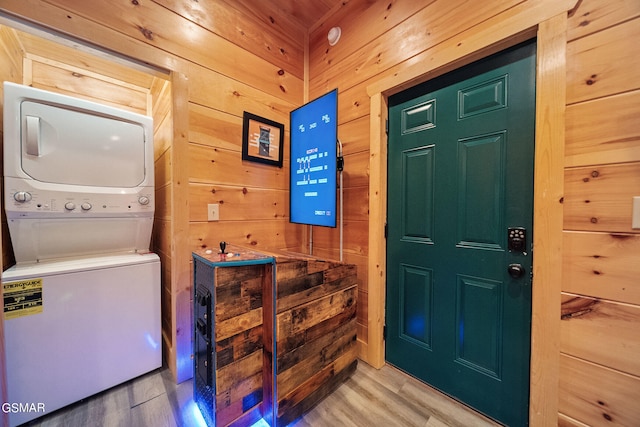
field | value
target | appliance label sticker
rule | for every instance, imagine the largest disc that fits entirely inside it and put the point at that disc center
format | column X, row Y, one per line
column 22, row 298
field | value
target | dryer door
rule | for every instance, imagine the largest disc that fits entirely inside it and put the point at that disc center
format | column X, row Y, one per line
column 61, row 145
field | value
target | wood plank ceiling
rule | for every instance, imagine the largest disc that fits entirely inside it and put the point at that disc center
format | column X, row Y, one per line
column 306, row 12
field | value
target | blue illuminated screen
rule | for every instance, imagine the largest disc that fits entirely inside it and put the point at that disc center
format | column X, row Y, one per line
column 314, row 134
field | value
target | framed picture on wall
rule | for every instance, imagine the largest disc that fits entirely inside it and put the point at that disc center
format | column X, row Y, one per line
column 262, row 140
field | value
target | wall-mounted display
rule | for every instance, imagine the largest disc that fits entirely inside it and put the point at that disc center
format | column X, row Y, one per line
column 262, row 140
column 313, row 184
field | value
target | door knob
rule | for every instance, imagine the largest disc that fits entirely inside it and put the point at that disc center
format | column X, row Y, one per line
column 516, row 270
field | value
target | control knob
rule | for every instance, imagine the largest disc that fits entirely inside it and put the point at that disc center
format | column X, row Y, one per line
column 22, row 196
column 143, row 200
column 86, row 206
column 69, row 206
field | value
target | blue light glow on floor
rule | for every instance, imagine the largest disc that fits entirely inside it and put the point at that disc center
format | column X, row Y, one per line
column 194, row 418
column 191, row 415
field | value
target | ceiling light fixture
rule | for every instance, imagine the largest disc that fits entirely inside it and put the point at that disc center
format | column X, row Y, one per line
column 334, row 35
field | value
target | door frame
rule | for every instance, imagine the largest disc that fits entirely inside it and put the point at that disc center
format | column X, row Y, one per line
column 547, row 21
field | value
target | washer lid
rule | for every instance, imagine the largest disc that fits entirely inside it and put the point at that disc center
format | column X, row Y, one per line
column 63, row 145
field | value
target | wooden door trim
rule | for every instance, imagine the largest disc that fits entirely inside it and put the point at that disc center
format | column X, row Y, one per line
column 548, row 21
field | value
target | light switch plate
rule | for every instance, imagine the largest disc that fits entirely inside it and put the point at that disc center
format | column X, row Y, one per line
column 213, row 212
column 635, row 215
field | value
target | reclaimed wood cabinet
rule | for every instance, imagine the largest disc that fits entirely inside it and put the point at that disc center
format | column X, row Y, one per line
column 273, row 334
column 233, row 339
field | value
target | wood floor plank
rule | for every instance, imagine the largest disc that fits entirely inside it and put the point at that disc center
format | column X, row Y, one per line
column 145, row 388
column 442, row 407
column 370, row 397
column 153, row 413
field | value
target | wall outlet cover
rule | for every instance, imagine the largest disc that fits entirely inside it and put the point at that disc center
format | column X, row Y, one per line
column 213, row 212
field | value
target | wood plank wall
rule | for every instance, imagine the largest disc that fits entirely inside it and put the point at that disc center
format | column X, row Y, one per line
column 162, row 113
column 600, row 290
column 600, row 338
column 244, row 59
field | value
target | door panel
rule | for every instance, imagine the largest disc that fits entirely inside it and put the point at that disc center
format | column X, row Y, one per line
column 481, row 191
column 417, row 196
column 478, row 312
column 416, row 289
column 460, row 176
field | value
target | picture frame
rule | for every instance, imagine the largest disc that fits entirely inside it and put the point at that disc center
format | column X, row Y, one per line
column 262, row 140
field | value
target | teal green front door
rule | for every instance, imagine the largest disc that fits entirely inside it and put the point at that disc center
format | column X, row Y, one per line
column 459, row 255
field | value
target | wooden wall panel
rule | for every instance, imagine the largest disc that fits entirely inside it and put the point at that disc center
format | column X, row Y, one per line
column 161, row 108
column 597, row 15
column 604, row 63
column 357, row 133
column 294, row 14
column 354, row 239
column 600, row 374
column 356, row 169
column 215, row 128
column 238, row 203
column 91, row 62
column 353, row 103
column 64, row 22
column 273, row 15
column 602, row 265
column 600, row 198
column 233, row 96
column 163, row 172
column 263, row 235
column 604, row 130
column 73, row 81
column 160, row 93
column 248, row 31
column 614, row 324
column 350, row 64
column 380, row 17
column 595, row 395
column 158, row 26
column 219, row 166
column 566, row 421
column 356, row 203
column 12, row 53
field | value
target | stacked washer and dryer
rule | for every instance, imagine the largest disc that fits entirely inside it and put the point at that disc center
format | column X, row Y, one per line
column 82, row 303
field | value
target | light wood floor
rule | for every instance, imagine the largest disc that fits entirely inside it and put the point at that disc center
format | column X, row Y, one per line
column 370, row 398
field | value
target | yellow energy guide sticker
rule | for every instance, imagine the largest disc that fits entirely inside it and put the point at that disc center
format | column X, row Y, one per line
column 22, row 298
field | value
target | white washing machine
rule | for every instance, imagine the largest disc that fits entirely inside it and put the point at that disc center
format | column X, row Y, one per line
column 78, row 327
column 82, row 303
